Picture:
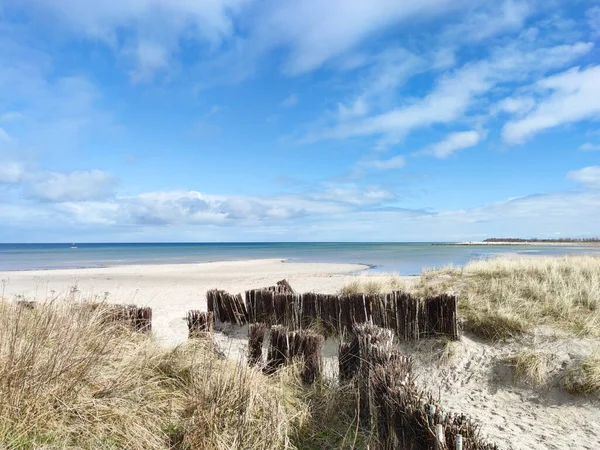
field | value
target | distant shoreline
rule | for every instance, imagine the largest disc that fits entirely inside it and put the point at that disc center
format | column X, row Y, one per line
column 563, row 244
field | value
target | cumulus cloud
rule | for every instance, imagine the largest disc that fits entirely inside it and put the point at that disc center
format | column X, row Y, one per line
column 73, row 186
column 588, row 176
column 569, row 97
column 334, row 214
column 174, row 208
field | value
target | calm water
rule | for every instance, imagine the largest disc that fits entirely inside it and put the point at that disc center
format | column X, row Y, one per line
column 403, row 258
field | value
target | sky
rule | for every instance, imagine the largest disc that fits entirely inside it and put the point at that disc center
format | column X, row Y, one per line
column 298, row 120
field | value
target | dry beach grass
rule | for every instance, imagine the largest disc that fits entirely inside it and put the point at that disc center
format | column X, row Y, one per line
column 507, row 296
column 69, row 380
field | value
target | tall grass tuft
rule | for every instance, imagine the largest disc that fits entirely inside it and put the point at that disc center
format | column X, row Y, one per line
column 69, row 379
column 531, row 366
column 584, row 377
column 373, row 284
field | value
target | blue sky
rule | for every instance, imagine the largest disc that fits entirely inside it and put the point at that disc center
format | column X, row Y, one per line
column 247, row 120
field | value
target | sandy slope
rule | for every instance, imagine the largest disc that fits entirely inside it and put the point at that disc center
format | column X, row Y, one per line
column 479, row 382
column 476, row 382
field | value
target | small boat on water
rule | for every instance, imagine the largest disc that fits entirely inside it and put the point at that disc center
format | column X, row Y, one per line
column 73, row 245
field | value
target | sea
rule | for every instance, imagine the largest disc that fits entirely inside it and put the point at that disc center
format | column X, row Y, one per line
column 402, row 258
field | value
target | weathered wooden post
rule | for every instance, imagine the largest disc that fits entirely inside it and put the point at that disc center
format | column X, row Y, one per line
column 199, row 323
column 256, row 337
column 279, row 349
column 312, row 355
column 142, row 321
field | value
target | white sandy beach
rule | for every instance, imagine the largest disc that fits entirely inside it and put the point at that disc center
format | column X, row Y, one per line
column 173, row 289
column 475, row 384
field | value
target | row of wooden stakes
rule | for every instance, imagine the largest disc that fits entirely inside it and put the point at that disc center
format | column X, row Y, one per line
column 410, row 317
column 391, row 405
column 388, row 401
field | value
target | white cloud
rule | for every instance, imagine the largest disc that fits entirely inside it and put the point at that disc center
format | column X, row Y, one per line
column 357, row 108
column 516, row 105
column 397, row 162
column 155, row 26
column 589, row 147
column 317, row 31
column 11, row 172
column 72, row 187
column 588, row 176
column 333, row 215
column 495, row 18
column 570, row 97
column 289, row 101
column 454, row 93
column 387, row 71
column 173, row 208
column 455, row 142
column 150, row 57
column 593, row 16
column 352, row 194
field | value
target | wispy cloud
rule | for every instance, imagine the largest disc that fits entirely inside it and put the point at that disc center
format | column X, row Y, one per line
column 153, row 28
column 396, row 162
column 4, row 136
column 72, row 187
column 289, row 101
column 589, row 147
column 454, row 93
column 312, row 38
column 589, row 176
column 11, row 172
column 593, row 16
column 453, row 143
column 568, row 97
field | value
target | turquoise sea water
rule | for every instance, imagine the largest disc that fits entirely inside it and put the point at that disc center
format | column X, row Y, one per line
column 403, row 258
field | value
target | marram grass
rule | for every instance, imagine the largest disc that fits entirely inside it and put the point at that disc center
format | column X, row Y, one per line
column 508, row 296
column 68, row 380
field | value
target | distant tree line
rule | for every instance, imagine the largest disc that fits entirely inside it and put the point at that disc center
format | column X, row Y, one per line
column 576, row 240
